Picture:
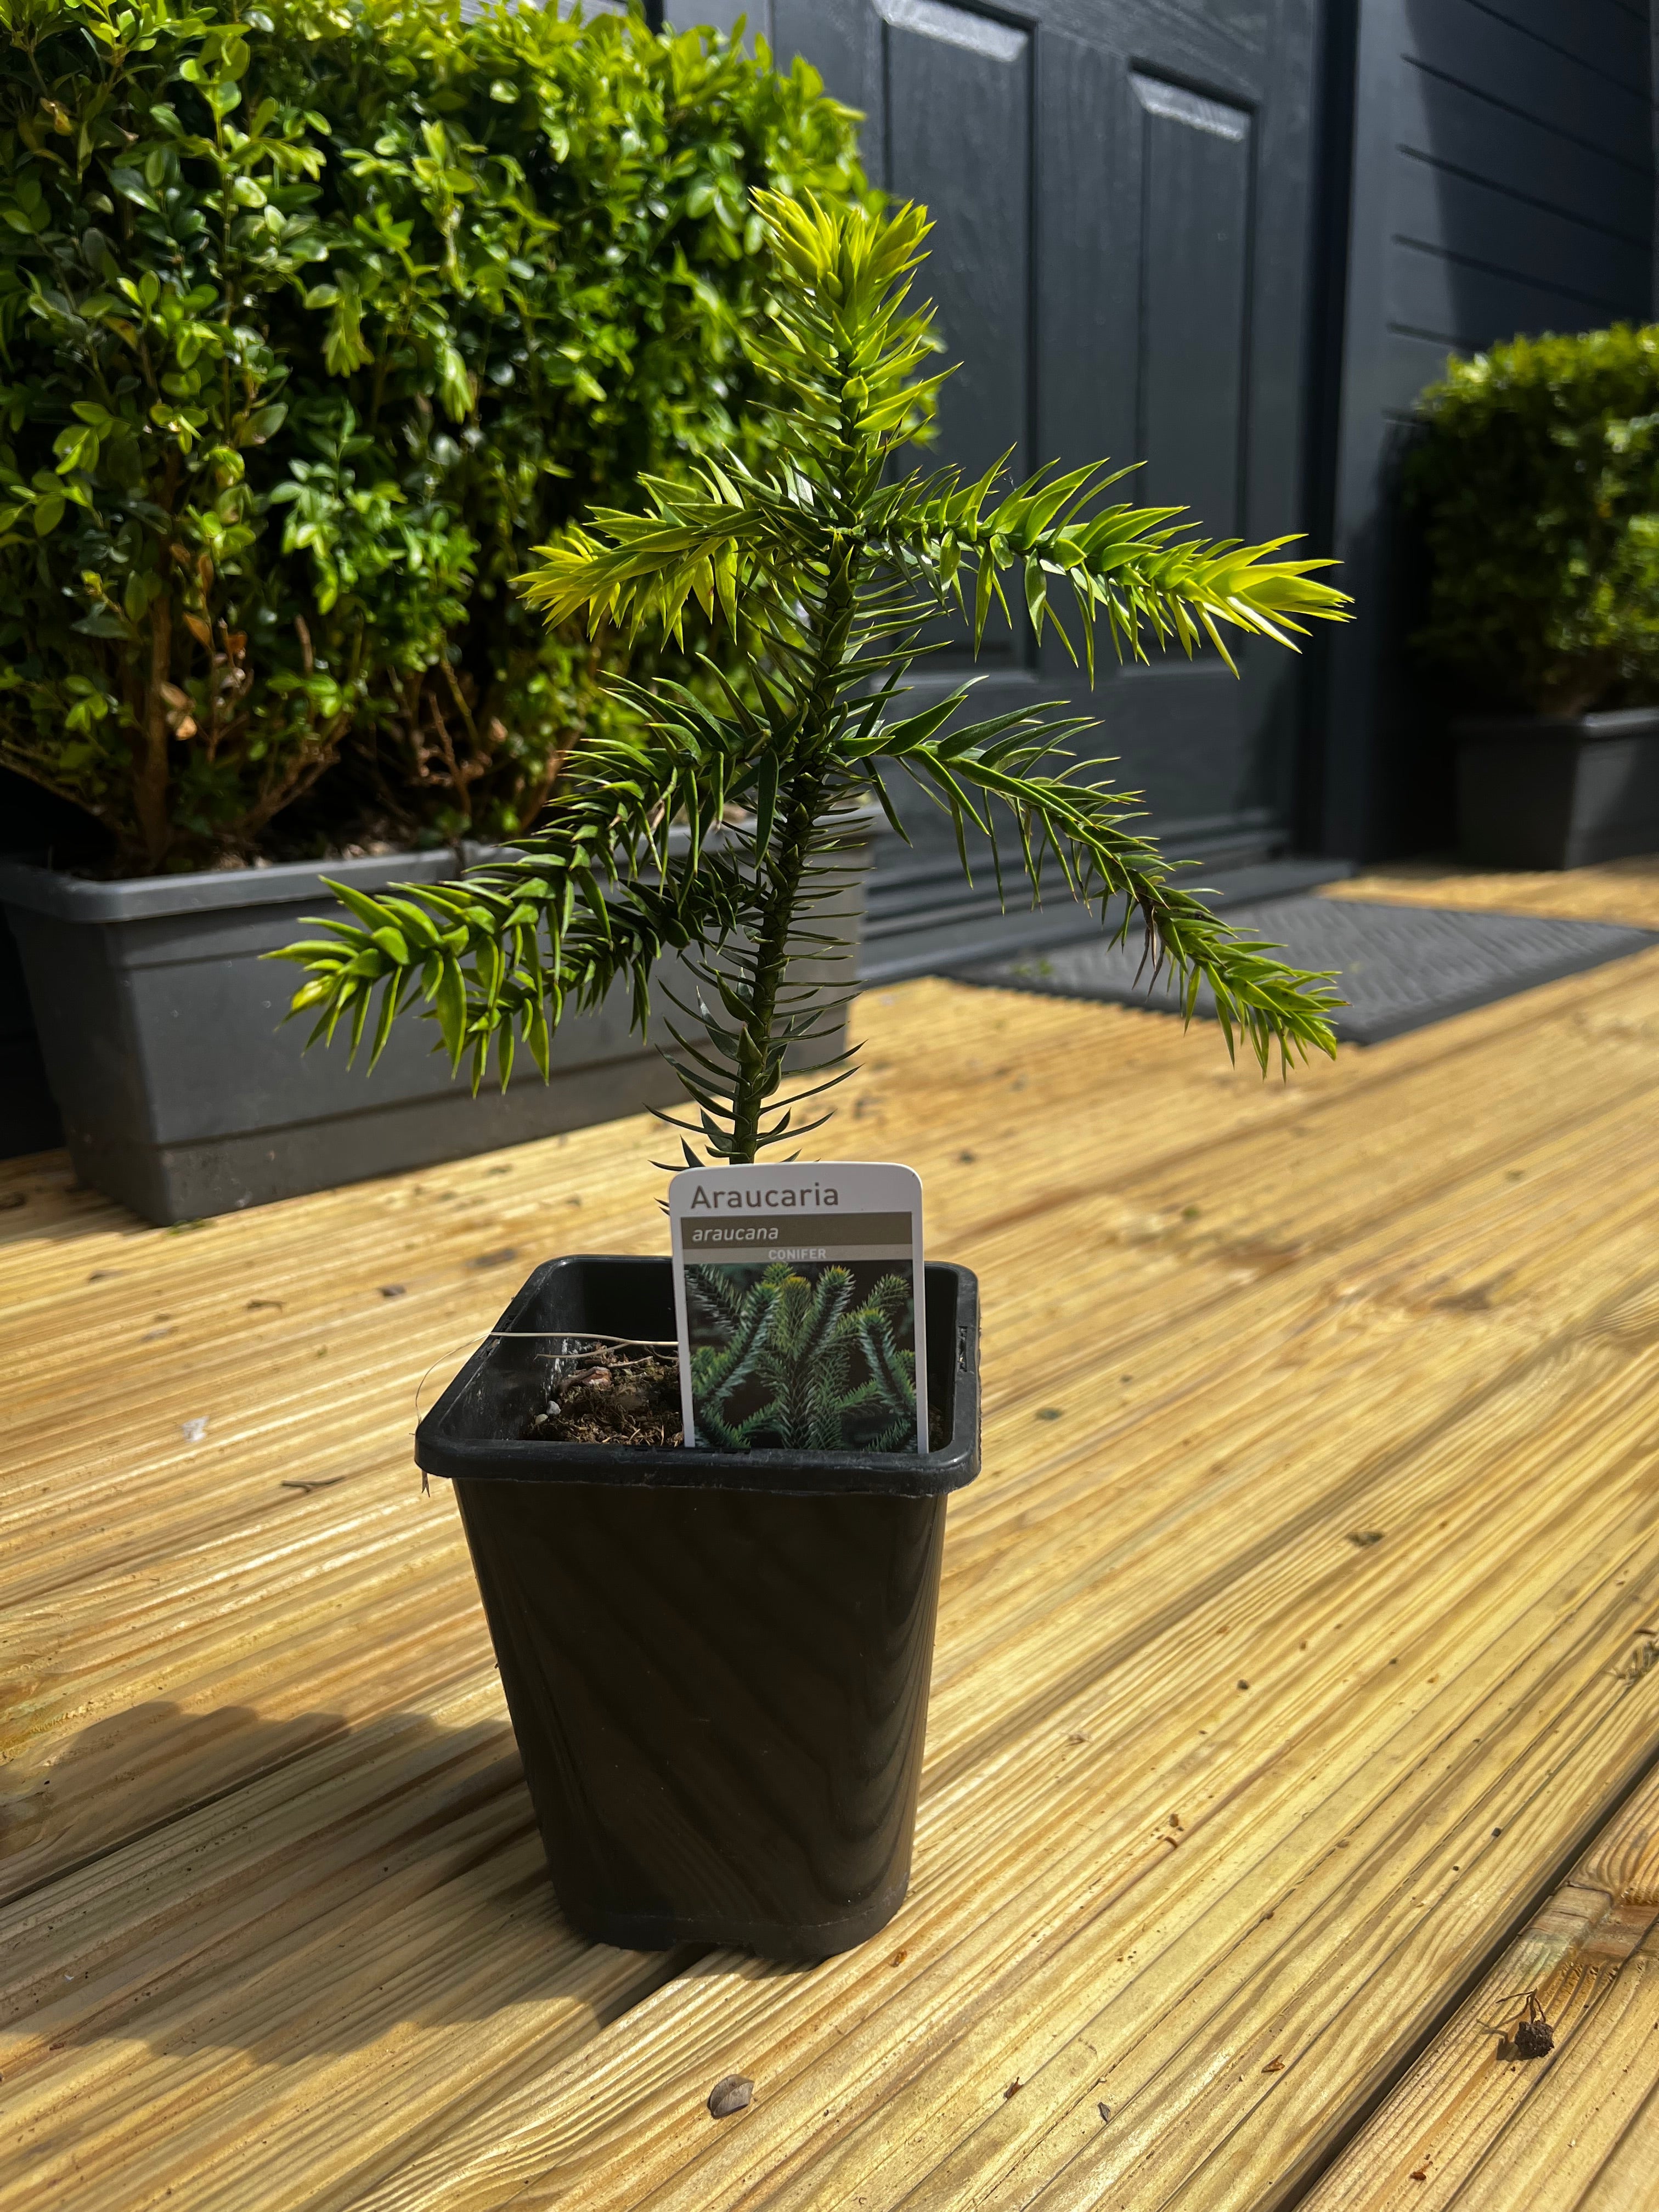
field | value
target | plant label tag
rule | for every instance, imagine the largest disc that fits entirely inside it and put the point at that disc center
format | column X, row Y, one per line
column 798, row 1296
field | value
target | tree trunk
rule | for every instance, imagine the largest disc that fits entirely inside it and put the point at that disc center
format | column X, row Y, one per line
column 150, row 783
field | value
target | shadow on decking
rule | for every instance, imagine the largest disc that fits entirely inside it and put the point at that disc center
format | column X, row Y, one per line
column 327, row 1884
column 41, row 1202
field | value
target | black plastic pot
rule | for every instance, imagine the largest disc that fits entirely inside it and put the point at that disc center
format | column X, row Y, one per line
column 716, row 1663
column 1542, row 792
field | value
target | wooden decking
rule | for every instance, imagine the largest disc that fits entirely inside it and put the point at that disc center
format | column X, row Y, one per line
column 1478, row 2127
column 1297, row 1640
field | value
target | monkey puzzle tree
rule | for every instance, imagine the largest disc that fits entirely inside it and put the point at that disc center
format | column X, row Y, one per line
column 827, row 567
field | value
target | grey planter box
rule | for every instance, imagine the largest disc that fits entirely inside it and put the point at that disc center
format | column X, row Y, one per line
column 1537, row 792
column 182, row 1092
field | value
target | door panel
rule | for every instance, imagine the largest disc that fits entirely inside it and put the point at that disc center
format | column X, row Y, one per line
column 1195, row 260
column 958, row 114
column 1185, row 727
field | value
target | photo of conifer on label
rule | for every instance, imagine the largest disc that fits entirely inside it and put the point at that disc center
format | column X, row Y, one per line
column 815, row 1356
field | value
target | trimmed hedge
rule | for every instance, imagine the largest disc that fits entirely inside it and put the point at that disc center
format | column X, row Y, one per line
column 315, row 317
column 1536, row 480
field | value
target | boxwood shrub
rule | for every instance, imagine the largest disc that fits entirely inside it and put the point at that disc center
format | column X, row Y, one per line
column 1536, row 484
column 316, row 316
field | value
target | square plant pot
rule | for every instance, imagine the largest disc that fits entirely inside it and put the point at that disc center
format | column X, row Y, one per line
column 1543, row 792
column 183, row 1092
column 716, row 1663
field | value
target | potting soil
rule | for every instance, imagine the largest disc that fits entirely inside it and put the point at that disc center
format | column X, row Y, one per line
column 610, row 1395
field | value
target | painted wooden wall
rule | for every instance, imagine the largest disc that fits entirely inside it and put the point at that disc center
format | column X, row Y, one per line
column 1499, row 155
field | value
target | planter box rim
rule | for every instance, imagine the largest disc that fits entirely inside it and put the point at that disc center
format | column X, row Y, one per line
column 765, row 1470
column 27, row 883
column 1567, row 729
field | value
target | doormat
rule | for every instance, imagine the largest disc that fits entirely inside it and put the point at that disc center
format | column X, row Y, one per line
column 1399, row 967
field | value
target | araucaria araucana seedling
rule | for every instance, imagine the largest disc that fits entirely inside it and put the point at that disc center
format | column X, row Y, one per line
column 827, row 567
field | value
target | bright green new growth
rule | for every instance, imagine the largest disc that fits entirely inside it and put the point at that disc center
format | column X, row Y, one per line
column 826, row 570
column 820, row 1361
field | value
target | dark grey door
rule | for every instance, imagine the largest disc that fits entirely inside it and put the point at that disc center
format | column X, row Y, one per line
column 1120, row 189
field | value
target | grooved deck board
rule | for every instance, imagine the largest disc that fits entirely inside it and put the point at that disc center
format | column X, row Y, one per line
column 1616, row 890
column 1475, row 2126
column 1222, row 1806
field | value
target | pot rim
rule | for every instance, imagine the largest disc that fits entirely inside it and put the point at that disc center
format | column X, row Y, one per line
column 30, row 885
column 439, row 1450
